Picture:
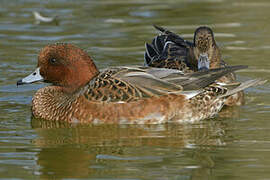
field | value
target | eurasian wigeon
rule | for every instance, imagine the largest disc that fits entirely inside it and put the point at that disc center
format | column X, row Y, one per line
column 169, row 50
column 80, row 93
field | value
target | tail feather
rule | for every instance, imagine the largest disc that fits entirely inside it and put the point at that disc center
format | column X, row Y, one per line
column 171, row 36
column 161, row 29
column 244, row 85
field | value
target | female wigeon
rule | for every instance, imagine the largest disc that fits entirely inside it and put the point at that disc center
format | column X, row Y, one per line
column 81, row 93
column 168, row 50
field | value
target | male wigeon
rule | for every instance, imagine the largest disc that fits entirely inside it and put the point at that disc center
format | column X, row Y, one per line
column 169, row 50
column 133, row 95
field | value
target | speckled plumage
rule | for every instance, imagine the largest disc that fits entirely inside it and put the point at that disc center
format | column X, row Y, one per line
column 126, row 95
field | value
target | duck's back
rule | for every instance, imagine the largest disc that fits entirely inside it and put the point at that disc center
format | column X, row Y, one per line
column 125, row 84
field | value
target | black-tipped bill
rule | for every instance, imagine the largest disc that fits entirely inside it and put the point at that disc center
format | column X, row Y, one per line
column 33, row 77
column 203, row 62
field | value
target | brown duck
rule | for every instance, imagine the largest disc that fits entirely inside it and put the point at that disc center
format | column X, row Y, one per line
column 169, row 50
column 80, row 93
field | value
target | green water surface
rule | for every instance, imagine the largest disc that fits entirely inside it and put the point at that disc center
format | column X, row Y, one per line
column 235, row 145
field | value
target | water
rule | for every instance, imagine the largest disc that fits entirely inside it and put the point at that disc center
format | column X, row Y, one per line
column 233, row 146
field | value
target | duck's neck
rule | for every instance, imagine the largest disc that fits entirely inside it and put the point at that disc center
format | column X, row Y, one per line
column 79, row 82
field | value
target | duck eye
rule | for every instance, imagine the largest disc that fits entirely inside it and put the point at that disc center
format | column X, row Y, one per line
column 52, row 60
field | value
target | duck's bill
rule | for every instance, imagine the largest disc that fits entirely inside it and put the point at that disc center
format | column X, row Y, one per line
column 33, row 77
column 203, row 62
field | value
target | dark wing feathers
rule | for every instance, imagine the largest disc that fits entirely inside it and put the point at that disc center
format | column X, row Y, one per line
column 147, row 59
column 150, row 54
column 150, row 50
column 159, row 43
column 168, row 50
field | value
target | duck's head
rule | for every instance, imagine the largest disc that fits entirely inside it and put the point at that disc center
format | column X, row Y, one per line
column 63, row 65
column 204, row 43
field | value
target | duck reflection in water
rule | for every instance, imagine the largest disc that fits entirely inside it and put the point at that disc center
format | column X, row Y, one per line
column 87, row 151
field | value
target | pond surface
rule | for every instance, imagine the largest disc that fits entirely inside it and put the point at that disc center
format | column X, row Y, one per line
column 235, row 145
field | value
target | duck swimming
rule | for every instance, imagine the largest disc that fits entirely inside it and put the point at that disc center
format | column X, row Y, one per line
column 80, row 93
column 169, row 50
